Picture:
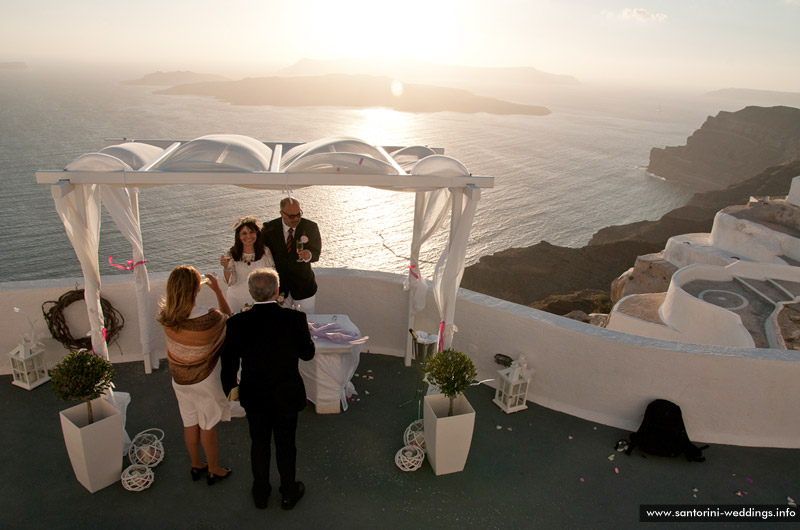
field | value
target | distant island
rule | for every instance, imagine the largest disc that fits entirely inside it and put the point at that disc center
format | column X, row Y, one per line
column 13, row 66
column 175, row 78
column 356, row 91
column 411, row 71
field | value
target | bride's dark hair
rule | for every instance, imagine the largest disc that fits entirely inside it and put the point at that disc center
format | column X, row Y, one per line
column 238, row 249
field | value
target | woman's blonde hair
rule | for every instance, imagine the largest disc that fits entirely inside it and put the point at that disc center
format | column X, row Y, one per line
column 181, row 293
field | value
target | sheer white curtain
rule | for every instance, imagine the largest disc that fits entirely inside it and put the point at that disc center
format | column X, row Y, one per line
column 79, row 210
column 123, row 206
column 450, row 268
column 430, row 210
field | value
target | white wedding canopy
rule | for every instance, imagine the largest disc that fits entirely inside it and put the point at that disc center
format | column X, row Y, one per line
column 112, row 177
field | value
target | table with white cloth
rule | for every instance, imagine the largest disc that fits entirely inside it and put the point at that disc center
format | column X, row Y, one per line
column 327, row 376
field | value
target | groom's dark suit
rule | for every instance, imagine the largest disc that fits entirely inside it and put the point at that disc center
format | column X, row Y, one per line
column 269, row 340
column 297, row 278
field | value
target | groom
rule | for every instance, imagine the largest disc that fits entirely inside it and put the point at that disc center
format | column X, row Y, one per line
column 281, row 235
column 269, row 340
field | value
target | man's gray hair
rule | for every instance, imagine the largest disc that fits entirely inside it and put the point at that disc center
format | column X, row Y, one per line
column 288, row 200
column 262, row 284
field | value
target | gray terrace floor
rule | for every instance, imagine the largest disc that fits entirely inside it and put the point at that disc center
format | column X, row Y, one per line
column 532, row 469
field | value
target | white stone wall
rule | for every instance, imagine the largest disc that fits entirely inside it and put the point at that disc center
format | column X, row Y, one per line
column 736, row 396
column 699, row 321
column 752, row 241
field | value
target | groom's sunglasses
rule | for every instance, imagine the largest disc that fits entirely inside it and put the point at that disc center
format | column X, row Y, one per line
column 293, row 215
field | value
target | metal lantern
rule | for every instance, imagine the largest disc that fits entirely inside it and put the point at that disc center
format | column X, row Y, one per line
column 512, row 387
column 28, row 366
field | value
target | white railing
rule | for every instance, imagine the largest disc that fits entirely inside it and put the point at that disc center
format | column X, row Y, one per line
column 728, row 395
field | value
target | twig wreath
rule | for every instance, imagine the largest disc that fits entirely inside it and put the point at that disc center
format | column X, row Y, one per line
column 113, row 320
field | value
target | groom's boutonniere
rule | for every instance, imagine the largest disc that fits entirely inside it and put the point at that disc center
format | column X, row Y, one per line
column 303, row 239
column 281, row 299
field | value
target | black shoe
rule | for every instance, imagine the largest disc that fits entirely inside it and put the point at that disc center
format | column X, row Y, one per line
column 260, row 498
column 211, row 478
column 197, row 472
column 288, row 501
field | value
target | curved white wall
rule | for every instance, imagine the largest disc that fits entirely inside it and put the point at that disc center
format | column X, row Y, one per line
column 752, row 241
column 688, row 249
column 728, row 395
column 699, row 321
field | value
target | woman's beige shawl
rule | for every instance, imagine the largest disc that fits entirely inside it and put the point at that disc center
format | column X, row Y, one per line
column 193, row 349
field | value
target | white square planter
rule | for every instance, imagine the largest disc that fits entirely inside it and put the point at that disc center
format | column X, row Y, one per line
column 448, row 439
column 95, row 450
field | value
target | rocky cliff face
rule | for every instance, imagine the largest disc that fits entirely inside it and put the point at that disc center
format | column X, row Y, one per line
column 731, row 147
column 529, row 275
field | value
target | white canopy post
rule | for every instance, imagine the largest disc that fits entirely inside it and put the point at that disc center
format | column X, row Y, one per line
column 79, row 209
column 450, row 268
column 123, row 206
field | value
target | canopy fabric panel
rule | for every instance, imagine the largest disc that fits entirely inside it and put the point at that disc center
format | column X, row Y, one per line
column 135, row 154
column 218, row 152
column 440, row 165
column 350, row 163
column 247, row 162
column 331, row 146
column 98, row 162
column 408, row 156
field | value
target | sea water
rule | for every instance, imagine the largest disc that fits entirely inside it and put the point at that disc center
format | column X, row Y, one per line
column 558, row 178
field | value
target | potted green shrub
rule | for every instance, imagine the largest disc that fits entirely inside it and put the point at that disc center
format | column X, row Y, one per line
column 82, row 375
column 93, row 431
column 449, row 418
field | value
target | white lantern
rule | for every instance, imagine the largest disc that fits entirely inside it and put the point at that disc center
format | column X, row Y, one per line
column 28, row 366
column 512, row 387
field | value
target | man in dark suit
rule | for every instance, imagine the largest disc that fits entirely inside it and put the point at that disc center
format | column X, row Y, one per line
column 269, row 340
column 281, row 235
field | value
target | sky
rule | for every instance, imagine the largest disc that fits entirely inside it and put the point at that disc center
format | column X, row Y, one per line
column 692, row 43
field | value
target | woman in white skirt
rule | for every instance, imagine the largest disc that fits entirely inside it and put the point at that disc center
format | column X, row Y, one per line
column 194, row 337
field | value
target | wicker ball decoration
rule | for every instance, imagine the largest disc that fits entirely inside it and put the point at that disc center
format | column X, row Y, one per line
column 146, row 448
column 415, row 434
column 137, row 477
column 409, row 458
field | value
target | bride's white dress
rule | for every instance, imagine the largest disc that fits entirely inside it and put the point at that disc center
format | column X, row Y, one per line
column 238, row 294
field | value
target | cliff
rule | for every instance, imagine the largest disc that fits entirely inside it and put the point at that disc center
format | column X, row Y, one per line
column 529, row 275
column 698, row 214
column 356, row 91
column 731, row 147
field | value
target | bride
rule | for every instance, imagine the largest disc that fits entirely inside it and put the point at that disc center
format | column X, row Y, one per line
column 247, row 254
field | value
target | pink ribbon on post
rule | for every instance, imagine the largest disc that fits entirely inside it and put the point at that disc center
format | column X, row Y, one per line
column 440, row 346
column 411, row 270
column 103, row 332
column 128, row 266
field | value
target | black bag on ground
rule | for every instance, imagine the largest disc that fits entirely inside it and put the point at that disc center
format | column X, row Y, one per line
column 663, row 433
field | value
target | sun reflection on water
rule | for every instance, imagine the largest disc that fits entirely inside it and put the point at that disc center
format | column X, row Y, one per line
column 381, row 125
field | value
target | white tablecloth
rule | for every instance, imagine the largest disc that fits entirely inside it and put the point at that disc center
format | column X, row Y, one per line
column 327, row 376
